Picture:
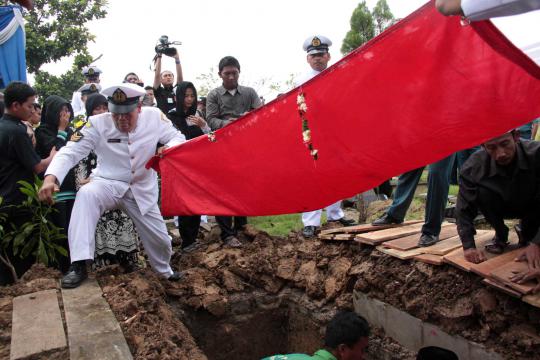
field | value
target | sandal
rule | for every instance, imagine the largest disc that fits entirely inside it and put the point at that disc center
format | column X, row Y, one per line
column 496, row 246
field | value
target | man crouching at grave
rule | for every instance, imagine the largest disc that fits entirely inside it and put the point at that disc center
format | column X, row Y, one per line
column 503, row 182
column 123, row 140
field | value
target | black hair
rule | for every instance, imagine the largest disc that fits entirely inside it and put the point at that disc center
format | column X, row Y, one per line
column 19, row 92
column 148, row 87
column 345, row 328
column 131, row 73
column 2, row 106
column 37, row 106
column 435, row 353
column 228, row 61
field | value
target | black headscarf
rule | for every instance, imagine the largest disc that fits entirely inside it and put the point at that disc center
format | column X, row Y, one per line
column 93, row 101
column 179, row 117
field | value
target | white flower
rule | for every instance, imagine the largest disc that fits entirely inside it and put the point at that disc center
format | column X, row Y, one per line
column 300, row 99
column 302, row 107
column 307, row 136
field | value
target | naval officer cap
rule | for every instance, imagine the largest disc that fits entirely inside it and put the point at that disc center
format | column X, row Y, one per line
column 88, row 89
column 123, row 98
column 317, row 44
column 91, row 71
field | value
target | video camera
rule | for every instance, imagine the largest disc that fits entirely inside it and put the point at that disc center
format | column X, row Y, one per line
column 164, row 46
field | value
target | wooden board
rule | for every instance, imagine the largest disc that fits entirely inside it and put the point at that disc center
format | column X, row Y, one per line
column 485, row 268
column 411, row 241
column 456, row 257
column 444, row 247
column 378, row 237
column 357, row 229
column 500, row 286
column 504, row 272
column 532, row 299
column 403, row 255
column 93, row 332
column 430, row 259
column 37, row 325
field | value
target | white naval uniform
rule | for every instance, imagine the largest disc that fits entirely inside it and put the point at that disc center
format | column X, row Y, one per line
column 77, row 103
column 484, row 9
column 334, row 211
column 120, row 180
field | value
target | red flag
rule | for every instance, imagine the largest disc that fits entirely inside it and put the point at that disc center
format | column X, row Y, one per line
column 423, row 89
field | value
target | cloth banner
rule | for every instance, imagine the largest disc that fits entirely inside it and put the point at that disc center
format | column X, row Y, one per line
column 422, row 90
column 12, row 45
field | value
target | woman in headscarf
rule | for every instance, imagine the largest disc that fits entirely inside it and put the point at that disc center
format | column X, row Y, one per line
column 54, row 132
column 116, row 238
column 191, row 124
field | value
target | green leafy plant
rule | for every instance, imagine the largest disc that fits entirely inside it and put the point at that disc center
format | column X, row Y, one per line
column 38, row 236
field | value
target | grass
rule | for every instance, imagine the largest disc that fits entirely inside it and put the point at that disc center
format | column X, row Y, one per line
column 279, row 225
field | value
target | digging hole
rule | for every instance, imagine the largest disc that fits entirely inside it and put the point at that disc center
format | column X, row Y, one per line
column 250, row 332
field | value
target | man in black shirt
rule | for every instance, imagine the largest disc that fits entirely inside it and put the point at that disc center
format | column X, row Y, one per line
column 502, row 181
column 18, row 161
column 164, row 84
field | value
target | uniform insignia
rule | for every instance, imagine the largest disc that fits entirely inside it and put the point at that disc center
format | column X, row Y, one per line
column 119, row 97
column 93, row 88
column 91, row 71
column 316, row 41
column 76, row 136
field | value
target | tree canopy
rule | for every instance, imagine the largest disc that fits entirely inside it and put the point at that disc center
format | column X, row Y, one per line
column 56, row 29
column 366, row 24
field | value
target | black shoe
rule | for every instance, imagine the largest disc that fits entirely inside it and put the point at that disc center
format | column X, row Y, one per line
column 386, row 220
column 176, row 275
column 427, row 240
column 309, row 231
column 345, row 221
column 75, row 275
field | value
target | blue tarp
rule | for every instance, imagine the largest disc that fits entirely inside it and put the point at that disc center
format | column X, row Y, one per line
column 12, row 51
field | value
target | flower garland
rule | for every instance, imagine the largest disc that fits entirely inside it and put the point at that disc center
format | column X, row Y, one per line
column 211, row 136
column 306, row 132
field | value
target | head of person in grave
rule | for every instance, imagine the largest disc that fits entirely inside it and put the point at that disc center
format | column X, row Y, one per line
column 88, row 89
column 125, row 105
column 317, row 48
column 91, row 74
column 347, row 336
column 503, row 149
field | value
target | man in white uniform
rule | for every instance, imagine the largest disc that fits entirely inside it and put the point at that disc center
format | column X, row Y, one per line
column 123, row 140
column 91, row 76
column 484, row 9
column 318, row 58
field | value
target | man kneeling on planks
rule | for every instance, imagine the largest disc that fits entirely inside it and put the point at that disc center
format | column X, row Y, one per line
column 502, row 181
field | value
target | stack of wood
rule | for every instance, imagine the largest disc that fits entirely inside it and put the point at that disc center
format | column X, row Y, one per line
column 401, row 241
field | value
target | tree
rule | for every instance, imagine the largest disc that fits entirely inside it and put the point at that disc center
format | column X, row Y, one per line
column 365, row 25
column 56, row 29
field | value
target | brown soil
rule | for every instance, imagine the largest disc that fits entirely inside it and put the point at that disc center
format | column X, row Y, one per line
column 275, row 295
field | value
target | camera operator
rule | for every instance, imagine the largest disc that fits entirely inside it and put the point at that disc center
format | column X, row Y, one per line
column 164, row 82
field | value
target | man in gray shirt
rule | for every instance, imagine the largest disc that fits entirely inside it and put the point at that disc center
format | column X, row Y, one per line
column 224, row 105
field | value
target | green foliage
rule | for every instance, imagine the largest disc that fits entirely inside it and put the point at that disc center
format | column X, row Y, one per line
column 56, row 29
column 279, row 225
column 207, row 82
column 365, row 25
column 38, row 236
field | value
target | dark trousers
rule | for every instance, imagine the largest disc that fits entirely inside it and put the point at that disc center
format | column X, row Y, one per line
column 226, row 225
column 437, row 194
column 61, row 219
column 495, row 210
column 385, row 188
column 189, row 229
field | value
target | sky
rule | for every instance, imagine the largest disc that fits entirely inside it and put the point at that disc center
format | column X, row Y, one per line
column 266, row 37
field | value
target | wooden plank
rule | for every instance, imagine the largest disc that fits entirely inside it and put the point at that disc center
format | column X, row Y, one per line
column 37, row 325
column 444, row 247
column 93, row 332
column 456, row 257
column 504, row 272
column 411, row 241
column 485, row 268
column 500, row 286
column 378, row 237
column 532, row 299
column 326, row 237
column 357, row 229
column 403, row 255
column 430, row 259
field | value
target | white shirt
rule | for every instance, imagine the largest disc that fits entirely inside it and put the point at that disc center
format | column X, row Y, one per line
column 121, row 157
column 77, row 103
column 311, row 73
column 485, row 9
